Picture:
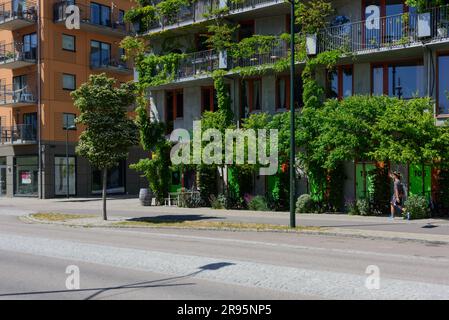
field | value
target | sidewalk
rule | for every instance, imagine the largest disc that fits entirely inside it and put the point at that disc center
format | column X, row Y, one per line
column 431, row 230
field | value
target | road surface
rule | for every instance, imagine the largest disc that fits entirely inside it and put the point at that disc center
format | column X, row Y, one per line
column 193, row 264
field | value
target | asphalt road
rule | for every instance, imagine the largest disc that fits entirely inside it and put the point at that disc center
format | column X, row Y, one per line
column 192, row 264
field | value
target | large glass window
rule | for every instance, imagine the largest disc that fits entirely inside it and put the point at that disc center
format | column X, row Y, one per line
column 283, row 93
column 30, row 46
column 100, row 54
column 68, row 42
column 26, row 172
column 68, row 81
column 61, row 176
column 340, row 82
column 404, row 80
column 251, row 96
column 443, row 84
column 100, row 14
column 115, row 180
column 209, row 99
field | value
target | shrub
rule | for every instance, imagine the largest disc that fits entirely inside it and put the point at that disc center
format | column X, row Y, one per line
column 258, row 203
column 218, row 202
column 305, row 204
column 417, row 207
column 363, row 207
column 352, row 208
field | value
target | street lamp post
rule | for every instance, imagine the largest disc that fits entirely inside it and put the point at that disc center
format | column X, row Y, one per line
column 67, row 127
column 292, row 115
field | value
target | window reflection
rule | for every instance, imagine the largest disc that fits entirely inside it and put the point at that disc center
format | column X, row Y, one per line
column 443, row 84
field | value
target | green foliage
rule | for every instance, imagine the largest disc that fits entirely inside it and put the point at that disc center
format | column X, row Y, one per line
column 220, row 35
column 207, row 183
column 157, row 70
column 312, row 15
column 305, row 204
column 169, row 9
column 218, row 202
column 256, row 44
column 103, row 111
column 417, row 207
column 363, row 207
column 157, row 170
column 424, row 5
column 258, row 203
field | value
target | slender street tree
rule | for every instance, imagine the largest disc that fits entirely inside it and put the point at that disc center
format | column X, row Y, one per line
column 108, row 131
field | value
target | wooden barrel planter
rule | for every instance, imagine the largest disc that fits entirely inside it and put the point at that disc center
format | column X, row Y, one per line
column 145, row 197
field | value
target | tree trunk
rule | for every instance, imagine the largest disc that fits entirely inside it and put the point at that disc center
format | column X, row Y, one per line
column 105, row 180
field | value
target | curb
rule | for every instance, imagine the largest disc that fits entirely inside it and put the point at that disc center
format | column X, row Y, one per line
column 328, row 231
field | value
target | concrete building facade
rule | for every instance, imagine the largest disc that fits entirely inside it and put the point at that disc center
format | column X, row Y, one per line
column 388, row 55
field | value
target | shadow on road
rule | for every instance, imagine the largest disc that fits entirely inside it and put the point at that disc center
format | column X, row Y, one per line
column 173, row 218
column 137, row 286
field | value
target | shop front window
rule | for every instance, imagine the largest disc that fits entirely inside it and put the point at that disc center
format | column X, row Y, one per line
column 61, row 176
column 115, row 180
column 26, row 172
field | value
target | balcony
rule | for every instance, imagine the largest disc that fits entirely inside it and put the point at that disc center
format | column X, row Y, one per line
column 15, row 55
column 197, row 12
column 94, row 20
column 197, row 64
column 113, row 64
column 17, row 14
column 19, row 134
column 13, row 96
column 386, row 33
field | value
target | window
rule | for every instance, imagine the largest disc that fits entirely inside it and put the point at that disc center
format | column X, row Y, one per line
column 26, row 171
column 29, row 129
column 251, row 96
column 100, row 14
column 443, row 84
column 283, row 93
column 340, row 82
column 174, row 107
column 68, row 81
column 402, row 80
column 208, row 99
column 68, row 121
column 68, row 42
column 100, row 54
column 61, row 177
column 115, row 182
column 246, row 29
column 30, row 46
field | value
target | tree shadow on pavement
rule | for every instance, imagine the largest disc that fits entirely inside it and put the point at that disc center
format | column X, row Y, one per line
column 173, row 218
column 166, row 282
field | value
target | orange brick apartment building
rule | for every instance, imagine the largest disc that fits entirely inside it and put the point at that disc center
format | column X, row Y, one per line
column 35, row 44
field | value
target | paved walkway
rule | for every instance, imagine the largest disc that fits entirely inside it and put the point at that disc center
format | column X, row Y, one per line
column 435, row 230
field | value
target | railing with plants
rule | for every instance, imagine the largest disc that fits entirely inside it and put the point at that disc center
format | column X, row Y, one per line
column 22, row 133
column 11, row 94
column 197, row 63
column 93, row 15
column 25, row 9
column 236, row 5
column 16, row 51
column 384, row 32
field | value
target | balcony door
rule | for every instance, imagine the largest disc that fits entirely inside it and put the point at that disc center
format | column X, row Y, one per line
column 19, row 87
column 384, row 22
column 100, row 14
column 30, row 46
column 2, row 176
column 29, row 125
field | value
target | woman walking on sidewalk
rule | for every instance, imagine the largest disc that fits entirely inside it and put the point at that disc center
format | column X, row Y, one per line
column 397, row 200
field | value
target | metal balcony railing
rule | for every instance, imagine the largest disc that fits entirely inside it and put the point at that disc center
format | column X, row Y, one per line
column 278, row 50
column 16, row 51
column 11, row 94
column 199, row 10
column 383, row 33
column 18, row 9
column 197, row 63
column 22, row 133
column 237, row 5
column 105, row 16
column 108, row 63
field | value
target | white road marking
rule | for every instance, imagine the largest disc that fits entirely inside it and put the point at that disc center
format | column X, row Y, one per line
column 293, row 280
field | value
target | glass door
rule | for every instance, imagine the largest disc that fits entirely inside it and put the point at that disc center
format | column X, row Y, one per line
column 2, row 180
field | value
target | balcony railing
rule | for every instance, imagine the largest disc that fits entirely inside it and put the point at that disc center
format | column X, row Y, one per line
column 22, row 133
column 18, row 10
column 277, row 50
column 90, row 16
column 383, row 33
column 13, row 95
column 111, row 64
column 197, row 64
column 198, row 11
column 13, row 52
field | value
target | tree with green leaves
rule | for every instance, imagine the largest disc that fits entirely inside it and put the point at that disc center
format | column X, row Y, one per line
column 108, row 131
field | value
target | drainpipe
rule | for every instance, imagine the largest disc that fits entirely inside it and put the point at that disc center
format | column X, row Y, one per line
column 39, row 113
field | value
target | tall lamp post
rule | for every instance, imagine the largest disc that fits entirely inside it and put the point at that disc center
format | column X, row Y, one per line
column 292, row 115
column 69, row 125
